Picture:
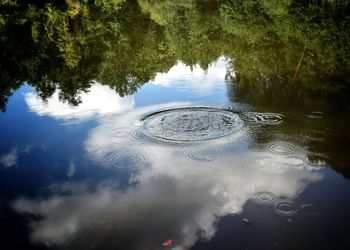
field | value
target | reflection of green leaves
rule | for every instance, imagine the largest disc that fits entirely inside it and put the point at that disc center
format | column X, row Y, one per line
column 246, row 20
column 123, row 44
column 71, row 28
column 109, row 6
column 110, row 42
column 166, row 12
column 2, row 20
column 281, row 31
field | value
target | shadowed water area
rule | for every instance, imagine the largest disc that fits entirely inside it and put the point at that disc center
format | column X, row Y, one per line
column 213, row 124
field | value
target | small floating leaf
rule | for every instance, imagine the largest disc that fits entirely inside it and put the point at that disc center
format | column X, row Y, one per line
column 167, row 243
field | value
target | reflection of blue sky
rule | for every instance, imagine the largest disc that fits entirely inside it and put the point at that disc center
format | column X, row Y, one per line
column 194, row 79
column 180, row 83
column 185, row 83
column 184, row 197
column 182, row 201
column 171, row 195
column 100, row 100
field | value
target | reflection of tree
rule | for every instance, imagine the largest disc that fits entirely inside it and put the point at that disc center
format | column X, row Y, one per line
column 292, row 55
column 138, row 56
column 273, row 44
column 68, row 46
column 192, row 29
column 290, row 41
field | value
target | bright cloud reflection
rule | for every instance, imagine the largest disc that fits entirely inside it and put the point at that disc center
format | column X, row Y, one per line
column 10, row 159
column 100, row 100
column 175, row 196
column 194, row 79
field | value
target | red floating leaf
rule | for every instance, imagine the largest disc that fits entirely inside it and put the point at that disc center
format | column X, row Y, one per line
column 167, row 243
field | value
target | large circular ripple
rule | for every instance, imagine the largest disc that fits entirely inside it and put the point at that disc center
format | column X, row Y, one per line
column 191, row 124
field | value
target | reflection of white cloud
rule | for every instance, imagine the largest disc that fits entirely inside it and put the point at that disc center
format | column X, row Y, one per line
column 189, row 198
column 120, row 128
column 9, row 159
column 99, row 100
column 195, row 79
column 71, row 169
column 182, row 201
column 27, row 149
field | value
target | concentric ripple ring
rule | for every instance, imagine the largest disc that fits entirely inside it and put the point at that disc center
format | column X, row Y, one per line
column 286, row 208
column 128, row 160
column 309, row 209
column 281, row 148
column 263, row 118
column 191, row 124
column 209, row 154
column 265, row 197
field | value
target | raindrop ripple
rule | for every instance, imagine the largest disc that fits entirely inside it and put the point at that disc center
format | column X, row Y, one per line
column 263, row 118
column 286, row 208
column 281, row 148
column 128, row 160
column 209, row 154
column 265, row 197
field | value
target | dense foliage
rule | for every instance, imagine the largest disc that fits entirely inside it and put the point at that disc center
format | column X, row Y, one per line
column 123, row 43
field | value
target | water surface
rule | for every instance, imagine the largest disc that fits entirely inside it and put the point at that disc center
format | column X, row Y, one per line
column 188, row 121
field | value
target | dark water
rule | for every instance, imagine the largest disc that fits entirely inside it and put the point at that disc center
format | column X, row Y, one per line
column 216, row 124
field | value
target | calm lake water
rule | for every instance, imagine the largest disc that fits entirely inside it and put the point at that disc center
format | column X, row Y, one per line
column 213, row 124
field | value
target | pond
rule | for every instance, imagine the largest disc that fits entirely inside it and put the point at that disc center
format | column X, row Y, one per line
column 174, row 124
